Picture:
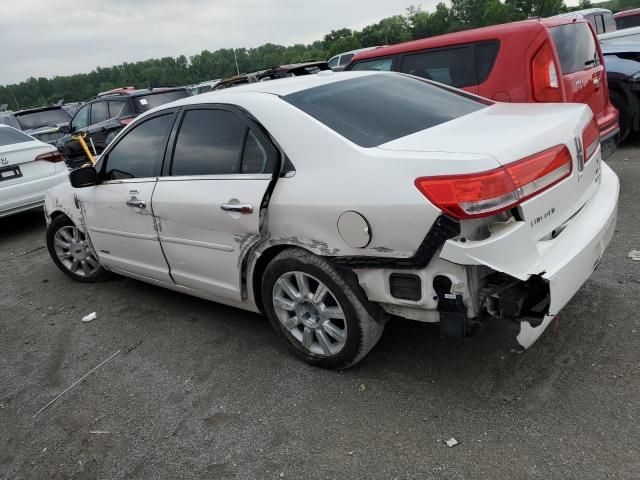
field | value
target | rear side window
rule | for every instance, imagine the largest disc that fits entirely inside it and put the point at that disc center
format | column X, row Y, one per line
column 9, row 136
column 628, row 22
column 381, row 65
column 609, row 22
column 344, row 59
column 576, row 47
column 377, row 109
column 115, row 107
column 135, row 155
column 99, row 112
column 452, row 66
column 486, row 54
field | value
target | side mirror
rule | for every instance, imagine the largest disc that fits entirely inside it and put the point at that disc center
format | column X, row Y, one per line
column 83, row 177
column 65, row 129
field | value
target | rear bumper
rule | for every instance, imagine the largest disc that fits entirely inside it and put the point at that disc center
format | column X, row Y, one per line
column 609, row 143
column 565, row 262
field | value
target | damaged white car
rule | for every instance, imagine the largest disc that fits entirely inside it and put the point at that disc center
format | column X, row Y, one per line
column 333, row 202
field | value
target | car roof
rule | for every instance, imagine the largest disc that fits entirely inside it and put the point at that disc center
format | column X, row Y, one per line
column 135, row 93
column 626, row 13
column 476, row 34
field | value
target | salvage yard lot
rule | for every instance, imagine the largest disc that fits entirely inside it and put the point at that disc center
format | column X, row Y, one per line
column 200, row 390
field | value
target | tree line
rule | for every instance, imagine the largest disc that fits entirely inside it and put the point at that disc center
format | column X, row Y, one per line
column 414, row 24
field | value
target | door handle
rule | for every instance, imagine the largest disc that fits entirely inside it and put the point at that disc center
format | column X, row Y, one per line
column 134, row 202
column 237, row 207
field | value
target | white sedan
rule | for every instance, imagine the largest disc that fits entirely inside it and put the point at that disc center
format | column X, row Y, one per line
column 28, row 167
column 334, row 202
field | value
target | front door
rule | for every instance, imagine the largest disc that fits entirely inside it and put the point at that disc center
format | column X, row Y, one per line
column 208, row 205
column 118, row 212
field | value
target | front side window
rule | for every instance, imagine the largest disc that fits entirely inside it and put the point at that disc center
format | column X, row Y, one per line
column 576, row 47
column 135, row 155
column 599, row 24
column 380, row 65
column 451, row 66
column 81, row 119
column 379, row 108
column 333, row 63
column 99, row 112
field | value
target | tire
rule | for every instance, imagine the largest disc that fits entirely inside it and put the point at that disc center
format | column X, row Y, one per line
column 333, row 330
column 619, row 101
column 70, row 251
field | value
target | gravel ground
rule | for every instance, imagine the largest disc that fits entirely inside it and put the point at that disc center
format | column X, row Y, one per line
column 200, row 390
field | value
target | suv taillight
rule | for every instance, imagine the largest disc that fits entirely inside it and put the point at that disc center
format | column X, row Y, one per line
column 487, row 193
column 544, row 76
column 590, row 139
column 53, row 157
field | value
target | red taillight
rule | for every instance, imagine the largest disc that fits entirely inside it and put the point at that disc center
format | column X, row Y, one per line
column 487, row 193
column 53, row 157
column 544, row 76
column 590, row 139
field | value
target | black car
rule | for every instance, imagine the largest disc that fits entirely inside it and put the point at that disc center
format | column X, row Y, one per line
column 622, row 63
column 43, row 123
column 103, row 117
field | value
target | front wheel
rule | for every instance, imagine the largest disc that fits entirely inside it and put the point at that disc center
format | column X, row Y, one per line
column 71, row 252
column 319, row 313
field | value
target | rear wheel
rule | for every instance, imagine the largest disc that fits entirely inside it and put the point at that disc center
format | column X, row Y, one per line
column 626, row 120
column 71, row 252
column 322, row 318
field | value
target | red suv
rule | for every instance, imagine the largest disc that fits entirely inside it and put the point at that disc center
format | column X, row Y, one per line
column 550, row 60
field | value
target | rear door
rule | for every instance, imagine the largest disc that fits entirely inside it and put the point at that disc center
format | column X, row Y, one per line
column 208, row 204
column 581, row 66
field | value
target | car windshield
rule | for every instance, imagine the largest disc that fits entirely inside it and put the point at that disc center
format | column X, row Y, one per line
column 153, row 100
column 44, row 118
column 576, row 47
column 9, row 136
column 377, row 109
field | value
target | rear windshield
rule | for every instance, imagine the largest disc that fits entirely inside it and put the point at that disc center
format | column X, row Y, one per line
column 576, row 47
column 377, row 109
column 45, row 118
column 153, row 100
column 9, row 136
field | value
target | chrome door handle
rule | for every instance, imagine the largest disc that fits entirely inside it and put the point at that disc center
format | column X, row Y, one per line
column 237, row 207
column 134, row 202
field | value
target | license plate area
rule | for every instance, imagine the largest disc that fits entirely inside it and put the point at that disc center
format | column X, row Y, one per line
column 8, row 173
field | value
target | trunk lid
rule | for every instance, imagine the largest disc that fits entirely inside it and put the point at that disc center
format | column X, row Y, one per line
column 511, row 132
column 18, row 164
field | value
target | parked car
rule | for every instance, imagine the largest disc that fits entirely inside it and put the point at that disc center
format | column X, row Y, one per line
column 627, row 19
column 103, row 117
column 550, row 60
column 203, row 87
column 43, row 123
column 626, row 35
column 338, row 62
column 233, row 81
column 287, row 198
column 600, row 19
column 28, row 167
column 622, row 63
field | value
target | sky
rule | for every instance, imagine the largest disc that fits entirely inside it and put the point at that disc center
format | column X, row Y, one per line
column 43, row 38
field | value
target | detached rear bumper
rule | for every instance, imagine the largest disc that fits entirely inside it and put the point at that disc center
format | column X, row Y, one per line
column 565, row 262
